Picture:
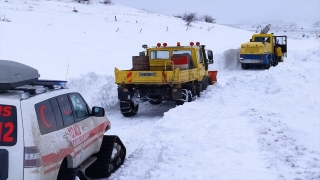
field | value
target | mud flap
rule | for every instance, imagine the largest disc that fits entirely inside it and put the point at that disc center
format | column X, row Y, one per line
column 205, row 82
column 177, row 93
column 124, row 95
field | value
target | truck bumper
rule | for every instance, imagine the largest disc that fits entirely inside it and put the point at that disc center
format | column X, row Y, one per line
column 251, row 61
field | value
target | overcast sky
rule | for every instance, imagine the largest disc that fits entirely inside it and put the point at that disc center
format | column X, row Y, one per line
column 233, row 11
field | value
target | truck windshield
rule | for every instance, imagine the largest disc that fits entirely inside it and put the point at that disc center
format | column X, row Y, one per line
column 262, row 39
column 8, row 125
column 161, row 54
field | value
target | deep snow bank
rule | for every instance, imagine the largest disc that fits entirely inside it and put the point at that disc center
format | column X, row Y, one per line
column 228, row 60
column 98, row 90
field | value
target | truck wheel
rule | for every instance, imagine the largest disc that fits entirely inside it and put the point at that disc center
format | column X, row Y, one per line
column 206, row 83
column 189, row 96
column 267, row 66
column 244, row 66
column 275, row 62
column 70, row 174
column 179, row 102
column 186, row 96
column 198, row 89
column 210, row 81
column 128, row 108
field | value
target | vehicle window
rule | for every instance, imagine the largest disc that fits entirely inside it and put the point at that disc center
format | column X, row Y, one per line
column 159, row 54
column 199, row 54
column 8, row 125
column 66, row 111
column 181, row 52
column 46, row 119
column 56, row 112
column 281, row 40
column 267, row 39
column 262, row 39
column 258, row 39
column 79, row 106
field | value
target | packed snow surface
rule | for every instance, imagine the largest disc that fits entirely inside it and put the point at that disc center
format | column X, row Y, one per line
column 251, row 124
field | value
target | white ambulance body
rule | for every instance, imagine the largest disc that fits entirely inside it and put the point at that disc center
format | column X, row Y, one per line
column 49, row 132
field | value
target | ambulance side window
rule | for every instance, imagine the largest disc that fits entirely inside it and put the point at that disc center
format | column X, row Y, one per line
column 56, row 112
column 66, row 110
column 46, row 119
column 79, row 106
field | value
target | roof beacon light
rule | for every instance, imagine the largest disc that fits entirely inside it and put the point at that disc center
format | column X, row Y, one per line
column 178, row 43
column 198, row 43
column 158, row 44
column 191, row 43
column 164, row 44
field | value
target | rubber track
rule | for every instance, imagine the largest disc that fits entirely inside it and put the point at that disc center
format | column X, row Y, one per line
column 100, row 168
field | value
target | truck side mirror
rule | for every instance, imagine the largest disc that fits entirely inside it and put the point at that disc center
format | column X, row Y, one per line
column 250, row 40
column 98, row 112
column 210, row 61
column 210, row 55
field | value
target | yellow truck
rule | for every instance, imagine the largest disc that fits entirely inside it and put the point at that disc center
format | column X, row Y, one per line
column 263, row 51
column 164, row 73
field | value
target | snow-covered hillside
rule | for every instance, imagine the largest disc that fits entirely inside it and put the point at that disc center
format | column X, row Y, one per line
column 251, row 124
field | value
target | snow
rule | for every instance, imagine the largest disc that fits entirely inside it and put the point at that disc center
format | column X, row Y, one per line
column 251, row 124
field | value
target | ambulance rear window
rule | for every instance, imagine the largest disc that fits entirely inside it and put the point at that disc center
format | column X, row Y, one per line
column 46, row 118
column 8, row 125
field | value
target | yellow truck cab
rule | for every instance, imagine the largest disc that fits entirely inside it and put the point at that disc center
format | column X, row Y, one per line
column 263, row 51
column 164, row 73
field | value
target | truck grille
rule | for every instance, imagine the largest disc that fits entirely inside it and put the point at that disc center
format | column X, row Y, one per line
column 254, row 50
column 4, row 164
